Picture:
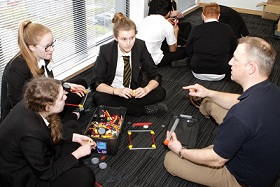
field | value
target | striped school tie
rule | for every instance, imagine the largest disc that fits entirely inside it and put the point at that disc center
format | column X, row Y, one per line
column 126, row 72
column 50, row 73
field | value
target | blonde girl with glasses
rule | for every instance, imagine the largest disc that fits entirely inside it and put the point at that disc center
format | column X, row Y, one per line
column 34, row 59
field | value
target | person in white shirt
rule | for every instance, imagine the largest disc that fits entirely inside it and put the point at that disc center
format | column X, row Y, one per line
column 159, row 27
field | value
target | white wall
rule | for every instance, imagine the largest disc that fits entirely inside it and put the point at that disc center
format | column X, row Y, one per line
column 138, row 10
column 244, row 4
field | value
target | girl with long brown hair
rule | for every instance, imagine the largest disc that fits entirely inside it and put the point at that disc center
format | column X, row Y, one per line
column 33, row 152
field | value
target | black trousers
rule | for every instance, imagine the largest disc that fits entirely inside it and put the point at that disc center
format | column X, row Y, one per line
column 69, row 127
column 69, row 121
column 81, row 175
column 184, row 31
column 72, row 98
column 180, row 53
column 169, row 57
column 135, row 107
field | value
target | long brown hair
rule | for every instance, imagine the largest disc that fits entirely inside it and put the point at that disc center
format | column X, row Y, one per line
column 31, row 34
column 122, row 23
column 39, row 93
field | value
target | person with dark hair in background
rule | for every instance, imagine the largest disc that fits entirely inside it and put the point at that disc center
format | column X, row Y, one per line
column 33, row 151
column 249, row 132
column 174, row 13
column 164, row 36
column 124, row 73
column 36, row 44
column 210, row 46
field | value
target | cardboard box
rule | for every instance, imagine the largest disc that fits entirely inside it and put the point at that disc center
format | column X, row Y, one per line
column 271, row 9
column 270, row 16
column 105, row 128
column 276, row 2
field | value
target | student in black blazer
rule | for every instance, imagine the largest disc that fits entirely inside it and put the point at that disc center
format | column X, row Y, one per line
column 143, row 93
column 36, row 44
column 33, row 151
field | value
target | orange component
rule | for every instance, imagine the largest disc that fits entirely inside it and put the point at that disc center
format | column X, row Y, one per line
column 166, row 142
column 102, row 158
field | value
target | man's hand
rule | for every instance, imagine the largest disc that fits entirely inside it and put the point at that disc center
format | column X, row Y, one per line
column 173, row 144
column 197, row 90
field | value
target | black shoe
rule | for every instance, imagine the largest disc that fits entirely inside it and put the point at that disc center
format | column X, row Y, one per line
column 180, row 63
column 156, row 109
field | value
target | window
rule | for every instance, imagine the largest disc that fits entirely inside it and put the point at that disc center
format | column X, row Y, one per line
column 183, row 5
column 78, row 26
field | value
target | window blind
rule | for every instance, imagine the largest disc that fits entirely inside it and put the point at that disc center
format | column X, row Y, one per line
column 79, row 26
column 183, row 5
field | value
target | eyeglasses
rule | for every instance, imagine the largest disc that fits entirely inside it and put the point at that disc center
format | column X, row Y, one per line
column 48, row 47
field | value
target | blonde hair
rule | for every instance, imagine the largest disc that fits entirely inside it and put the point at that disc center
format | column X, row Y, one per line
column 122, row 23
column 211, row 10
column 260, row 52
column 39, row 93
column 31, row 34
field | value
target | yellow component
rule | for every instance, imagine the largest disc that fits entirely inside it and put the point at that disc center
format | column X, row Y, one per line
column 109, row 132
column 104, row 136
column 130, row 146
column 129, row 132
column 85, row 91
column 153, row 146
column 80, row 106
column 152, row 132
column 134, row 92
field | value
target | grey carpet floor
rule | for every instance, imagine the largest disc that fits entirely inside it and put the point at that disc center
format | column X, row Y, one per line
column 133, row 168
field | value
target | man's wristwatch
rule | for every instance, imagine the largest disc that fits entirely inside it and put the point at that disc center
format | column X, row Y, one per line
column 180, row 152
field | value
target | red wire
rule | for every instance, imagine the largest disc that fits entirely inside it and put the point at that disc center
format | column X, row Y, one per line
column 153, row 138
column 130, row 142
column 69, row 104
column 98, row 184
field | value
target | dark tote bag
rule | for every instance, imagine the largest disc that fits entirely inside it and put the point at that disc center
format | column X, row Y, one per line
column 186, row 129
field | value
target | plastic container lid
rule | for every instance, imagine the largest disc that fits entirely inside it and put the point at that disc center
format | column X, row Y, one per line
column 94, row 160
column 103, row 165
